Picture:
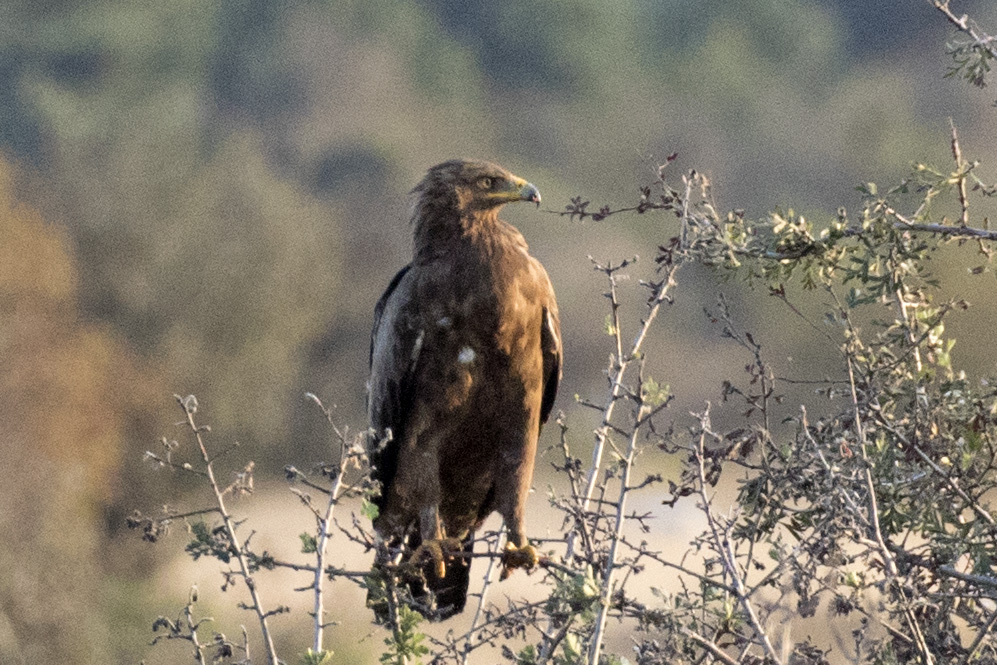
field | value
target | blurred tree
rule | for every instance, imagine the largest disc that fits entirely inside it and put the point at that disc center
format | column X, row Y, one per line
column 70, row 391
column 248, row 74
column 243, row 277
column 190, row 245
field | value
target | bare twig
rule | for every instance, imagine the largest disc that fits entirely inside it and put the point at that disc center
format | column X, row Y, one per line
column 619, row 369
column 888, row 560
column 723, row 547
column 494, row 558
column 610, row 566
column 961, row 171
column 324, row 523
column 189, row 406
column 185, row 629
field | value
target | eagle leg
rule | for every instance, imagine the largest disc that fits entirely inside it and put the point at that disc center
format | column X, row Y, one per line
column 518, row 551
column 518, row 557
column 438, row 551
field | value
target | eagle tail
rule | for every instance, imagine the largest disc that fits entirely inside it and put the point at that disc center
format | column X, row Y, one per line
column 447, row 595
column 434, row 597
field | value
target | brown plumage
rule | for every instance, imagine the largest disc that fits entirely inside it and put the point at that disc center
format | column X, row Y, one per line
column 465, row 359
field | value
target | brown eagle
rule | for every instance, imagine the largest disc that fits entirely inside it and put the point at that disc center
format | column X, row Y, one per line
column 465, row 359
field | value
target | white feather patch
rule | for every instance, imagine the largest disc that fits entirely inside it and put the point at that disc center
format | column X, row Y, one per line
column 466, row 355
column 417, row 347
column 550, row 326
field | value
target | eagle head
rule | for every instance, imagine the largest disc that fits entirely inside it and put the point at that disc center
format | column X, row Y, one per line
column 468, row 189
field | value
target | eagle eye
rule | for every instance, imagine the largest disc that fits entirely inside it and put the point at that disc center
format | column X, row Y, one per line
column 485, row 183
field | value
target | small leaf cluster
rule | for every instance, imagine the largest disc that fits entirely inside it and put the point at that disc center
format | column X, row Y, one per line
column 405, row 644
column 209, row 541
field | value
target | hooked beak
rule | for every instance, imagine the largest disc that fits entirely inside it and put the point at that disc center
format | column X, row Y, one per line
column 528, row 192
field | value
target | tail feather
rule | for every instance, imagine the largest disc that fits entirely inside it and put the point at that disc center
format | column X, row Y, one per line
column 448, row 594
column 436, row 598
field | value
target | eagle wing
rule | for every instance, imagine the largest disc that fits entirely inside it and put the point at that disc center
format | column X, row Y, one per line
column 379, row 308
column 550, row 344
column 392, row 363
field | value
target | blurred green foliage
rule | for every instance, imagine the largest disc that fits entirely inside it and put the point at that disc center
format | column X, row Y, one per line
column 223, row 188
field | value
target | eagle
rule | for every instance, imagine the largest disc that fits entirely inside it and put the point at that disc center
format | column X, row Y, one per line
column 465, row 360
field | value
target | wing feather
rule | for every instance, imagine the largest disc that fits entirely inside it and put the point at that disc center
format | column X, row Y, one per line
column 382, row 302
column 550, row 341
column 394, row 351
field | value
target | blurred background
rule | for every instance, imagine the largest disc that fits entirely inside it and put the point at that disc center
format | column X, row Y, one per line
column 208, row 197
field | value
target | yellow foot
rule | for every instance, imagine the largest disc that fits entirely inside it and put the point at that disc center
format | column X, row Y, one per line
column 518, row 557
column 438, row 551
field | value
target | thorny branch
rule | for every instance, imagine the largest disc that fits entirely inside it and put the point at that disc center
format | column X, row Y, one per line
column 619, row 365
column 189, row 406
column 350, row 455
column 620, row 362
column 480, row 613
column 183, row 628
column 721, row 543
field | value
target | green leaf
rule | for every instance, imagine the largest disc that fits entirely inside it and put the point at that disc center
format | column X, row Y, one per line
column 369, row 509
column 572, row 648
column 654, row 394
column 609, row 327
column 321, row 657
column 308, row 543
column 405, row 642
column 527, row 655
